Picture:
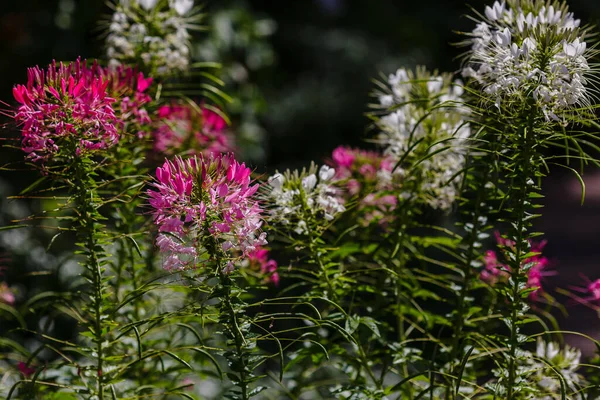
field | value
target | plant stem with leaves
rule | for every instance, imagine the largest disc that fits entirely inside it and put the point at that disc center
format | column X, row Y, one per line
column 523, row 170
column 476, row 211
column 231, row 312
column 92, row 238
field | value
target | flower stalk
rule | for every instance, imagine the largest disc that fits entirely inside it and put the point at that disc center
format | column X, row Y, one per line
column 525, row 172
column 230, row 319
column 90, row 231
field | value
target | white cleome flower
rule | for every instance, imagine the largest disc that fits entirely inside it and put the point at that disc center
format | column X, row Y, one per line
column 147, row 4
column 565, row 361
column 182, row 6
column 156, row 37
column 531, row 48
column 544, row 370
column 426, row 114
column 303, row 200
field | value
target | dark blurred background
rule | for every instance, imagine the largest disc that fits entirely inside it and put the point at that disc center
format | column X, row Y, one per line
column 315, row 91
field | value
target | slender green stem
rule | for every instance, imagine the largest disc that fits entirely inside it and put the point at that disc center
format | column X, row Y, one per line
column 136, row 307
column 237, row 335
column 524, row 173
column 467, row 274
column 98, row 309
column 119, row 272
column 403, row 220
column 86, row 196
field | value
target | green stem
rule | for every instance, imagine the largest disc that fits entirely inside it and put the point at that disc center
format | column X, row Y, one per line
column 525, row 172
column 240, row 364
column 119, row 272
column 136, row 307
column 87, row 213
column 403, row 219
column 467, row 274
column 98, row 310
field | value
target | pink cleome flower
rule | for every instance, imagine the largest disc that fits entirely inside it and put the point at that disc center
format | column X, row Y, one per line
column 362, row 171
column 130, row 89
column 259, row 259
column 182, row 127
column 6, row 294
column 591, row 292
column 359, row 166
column 496, row 271
column 25, row 369
column 65, row 104
column 205, row 205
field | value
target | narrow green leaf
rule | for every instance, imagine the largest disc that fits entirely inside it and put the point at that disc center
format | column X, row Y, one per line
column 177, row 358
column 139, row 341
column 461, row 369
column 33, row 185
column 211, row 358
column 9, row 227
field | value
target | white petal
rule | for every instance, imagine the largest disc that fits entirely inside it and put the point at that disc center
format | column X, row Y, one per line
column 490, row 13
column 309, row 182
column 326, row 173
column 147, row 4
column 182, row 6
column 276, row 181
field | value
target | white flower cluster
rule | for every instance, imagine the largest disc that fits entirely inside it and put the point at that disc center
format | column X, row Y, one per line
column 531, row 48
column 427, row 114
column 153, row 33
column 540, row 371
column 303, row 199
column 565, row 360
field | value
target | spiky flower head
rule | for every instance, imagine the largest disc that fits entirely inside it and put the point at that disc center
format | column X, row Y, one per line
column 531, row 50
column 565, row 361
column 205, row 208
column 588, row 294
column 365, row 176
column 496, row 269
column 195, row 129
column 361, row 168
column 130, row 89
column 153, row 34
column 543, row 371
column 260, row 260
column 424, row 125
column 305, row 201
column 65, row 111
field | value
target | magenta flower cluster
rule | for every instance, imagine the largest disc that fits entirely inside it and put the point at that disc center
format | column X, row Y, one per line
column 130, row 89
column 368, row 175
column 259, row 259
column 205, row 207
column 65, row 103
column 182, row 127
column 589, row 294
column 495, row 271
